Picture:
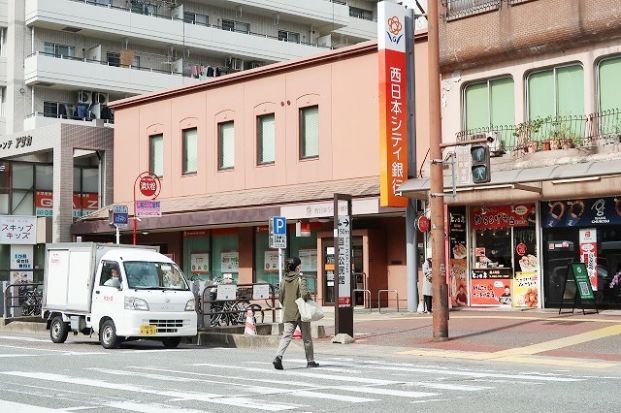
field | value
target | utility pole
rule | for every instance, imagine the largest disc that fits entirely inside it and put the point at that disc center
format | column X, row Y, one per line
column 439, row 286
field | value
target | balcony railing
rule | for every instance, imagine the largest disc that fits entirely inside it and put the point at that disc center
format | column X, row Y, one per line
column 169, row 16
column 553, row 132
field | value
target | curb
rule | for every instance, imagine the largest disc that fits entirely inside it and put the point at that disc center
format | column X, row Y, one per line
column 24, row 326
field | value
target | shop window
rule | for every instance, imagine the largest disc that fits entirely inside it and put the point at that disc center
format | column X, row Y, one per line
column 190, row 151
column 156, row 155
column 5, row 175
column 226, row 145
column 44, row 177
column 309, row 132
column 90, row 180
column 225, row 256
column 556, row 92
column 266, row 139
column 23, row 175
column 22, row 202
column 197, row 262
column 489, row 104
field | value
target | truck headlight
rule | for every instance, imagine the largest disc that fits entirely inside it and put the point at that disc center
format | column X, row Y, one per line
column 190, row 306
column 133, row 303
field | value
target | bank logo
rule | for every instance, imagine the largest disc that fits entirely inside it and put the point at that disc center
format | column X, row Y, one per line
column 395, row 30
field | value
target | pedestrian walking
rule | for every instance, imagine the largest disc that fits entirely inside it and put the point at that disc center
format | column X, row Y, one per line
column 293, row 286
column 427, row 286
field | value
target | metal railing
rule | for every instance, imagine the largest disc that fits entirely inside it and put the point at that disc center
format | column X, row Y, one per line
column 26, row 302
column 456, row 9
column 387, row 291
column 554, row 132
column 169, row 16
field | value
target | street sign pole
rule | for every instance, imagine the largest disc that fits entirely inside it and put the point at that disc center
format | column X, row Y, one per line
column 118, row 234
column 343, row 308
column 278, row 239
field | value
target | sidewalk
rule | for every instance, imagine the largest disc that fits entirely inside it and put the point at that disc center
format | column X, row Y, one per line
column 507, row 335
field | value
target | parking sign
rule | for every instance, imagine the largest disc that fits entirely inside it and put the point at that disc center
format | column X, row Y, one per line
column 278, row 232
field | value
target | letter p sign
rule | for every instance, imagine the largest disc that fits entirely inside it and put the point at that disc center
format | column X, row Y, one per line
column 279, row 225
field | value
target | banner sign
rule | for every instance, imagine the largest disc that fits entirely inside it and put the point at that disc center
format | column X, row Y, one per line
column 588, row 253
column 148, row 209
column 504, row 216
column 393, row 103
column 525, row 289
column 18, row 229
column 490, row 291
column 581, row 212
column 458, row 255
column 83, row 203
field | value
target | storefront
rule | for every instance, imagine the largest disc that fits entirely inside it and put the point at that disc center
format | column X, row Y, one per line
column 583, row 230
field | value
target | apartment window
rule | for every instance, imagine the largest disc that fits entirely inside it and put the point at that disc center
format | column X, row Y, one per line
column 2, row 101
column 190, row 150
column 226, row 145
column 3, row 41
column 266, row 139
column 609, row 76
column 557, row 91
column 113, row 59
column 195, row 18
column 56, row 110
column 156, row 154
column 235, row 26
column 360, row 13
column 489, row 103
column 309, row 132
column 288, row 36
column 58, row 50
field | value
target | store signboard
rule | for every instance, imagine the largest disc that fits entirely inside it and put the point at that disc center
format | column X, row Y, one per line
column 588, row 253
column 504, row 216
column 22, row 257
column 581, row 212
column 490, row 291
column 458, row 254
column 18, row 229
column 83, row 203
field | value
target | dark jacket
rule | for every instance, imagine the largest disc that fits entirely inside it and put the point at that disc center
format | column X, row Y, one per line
column 292, row 286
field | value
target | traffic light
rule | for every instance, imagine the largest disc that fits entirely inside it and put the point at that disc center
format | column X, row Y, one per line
column 480, row 163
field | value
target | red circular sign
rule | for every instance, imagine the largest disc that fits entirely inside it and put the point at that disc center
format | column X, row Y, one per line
column 520, row 249
column 423, row 223
column 148, row 185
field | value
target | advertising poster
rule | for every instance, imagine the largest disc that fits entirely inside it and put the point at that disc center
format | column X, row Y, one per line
column 526, row 289
column 199, row 263
column 21, row 257
column 309, row 260
column 229, row 261
column 581, row 212
column 18, row 229
column 270, row 261
column 503, row 216
column 83, row 203
column 588, row 253
column 490, row 291
column 458, row 255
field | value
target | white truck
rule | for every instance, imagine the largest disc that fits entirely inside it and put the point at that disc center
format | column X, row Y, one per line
column 121, row 292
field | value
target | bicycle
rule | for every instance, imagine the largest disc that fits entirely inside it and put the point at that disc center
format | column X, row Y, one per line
column 31, row 304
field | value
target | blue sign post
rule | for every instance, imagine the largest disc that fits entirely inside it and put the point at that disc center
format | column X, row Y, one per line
column 278, row 239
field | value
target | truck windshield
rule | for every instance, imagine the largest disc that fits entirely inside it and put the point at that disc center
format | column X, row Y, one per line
column 157, row 275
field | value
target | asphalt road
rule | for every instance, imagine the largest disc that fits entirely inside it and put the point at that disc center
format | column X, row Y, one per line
column 80, row 376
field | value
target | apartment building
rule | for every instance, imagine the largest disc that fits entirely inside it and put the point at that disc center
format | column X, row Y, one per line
column 541, row 79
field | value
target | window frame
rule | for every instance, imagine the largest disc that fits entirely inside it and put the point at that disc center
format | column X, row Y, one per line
column 220, row 134
column 488, row 83
column 261, row 140
column 286, row 36
column 555, row 85
column 152, row 139
column 184, row 153
column 302, row 132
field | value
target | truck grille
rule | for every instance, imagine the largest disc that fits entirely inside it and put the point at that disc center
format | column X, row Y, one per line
column 166, row 326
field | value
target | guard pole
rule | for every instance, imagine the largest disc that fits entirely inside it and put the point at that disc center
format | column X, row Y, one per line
column 118, row 234
column 439, row 286
column 280, row 265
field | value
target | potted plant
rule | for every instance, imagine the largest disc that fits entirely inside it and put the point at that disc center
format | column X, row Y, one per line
column 525, row 134
column 546, row 145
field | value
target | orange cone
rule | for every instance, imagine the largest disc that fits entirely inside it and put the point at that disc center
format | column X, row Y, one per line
column 250, row 329
column 297, row 334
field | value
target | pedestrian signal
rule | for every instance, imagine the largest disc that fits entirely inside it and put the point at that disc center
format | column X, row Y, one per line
column 480, row 163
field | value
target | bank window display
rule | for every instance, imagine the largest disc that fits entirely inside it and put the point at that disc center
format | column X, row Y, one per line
column 305, row 247
column 505, row 266
column 225, row 255
column 265, row 258
column 196, row 255
column 587, row 231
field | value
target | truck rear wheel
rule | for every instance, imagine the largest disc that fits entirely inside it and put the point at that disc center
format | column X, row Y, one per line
column 171, row 342
column 107, row 335
column 59, row 330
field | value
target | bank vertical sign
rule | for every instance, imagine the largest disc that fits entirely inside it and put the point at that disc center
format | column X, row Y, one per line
column 392, row 102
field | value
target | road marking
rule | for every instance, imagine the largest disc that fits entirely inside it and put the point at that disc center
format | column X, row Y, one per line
column 126, row 387
column 151, row 407
column 18, row 338
column 12, row 407
column 561, row 342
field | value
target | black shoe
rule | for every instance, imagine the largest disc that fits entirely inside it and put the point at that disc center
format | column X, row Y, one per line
column 277, row 363
column 312, row 364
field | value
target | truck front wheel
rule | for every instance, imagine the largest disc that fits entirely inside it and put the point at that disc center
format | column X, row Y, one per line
column 107, row 335
column 58, row 330
column 171, row 342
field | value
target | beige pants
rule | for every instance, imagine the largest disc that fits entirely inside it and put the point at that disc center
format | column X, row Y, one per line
column 289, row 328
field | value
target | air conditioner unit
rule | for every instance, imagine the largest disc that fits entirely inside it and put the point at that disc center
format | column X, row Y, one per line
column 102, row 98
column 85, row 96
column 493, row 141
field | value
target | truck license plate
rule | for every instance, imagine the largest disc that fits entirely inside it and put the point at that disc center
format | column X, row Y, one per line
column 148, row 330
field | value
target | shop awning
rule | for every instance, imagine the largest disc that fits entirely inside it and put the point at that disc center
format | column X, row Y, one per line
column 526, row 179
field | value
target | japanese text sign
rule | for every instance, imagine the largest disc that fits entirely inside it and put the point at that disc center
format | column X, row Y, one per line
column 18, row 229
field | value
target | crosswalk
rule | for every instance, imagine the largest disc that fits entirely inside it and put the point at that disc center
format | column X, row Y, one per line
column 248, row 384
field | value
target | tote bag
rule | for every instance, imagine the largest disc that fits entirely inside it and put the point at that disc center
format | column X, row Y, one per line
column 309, row 310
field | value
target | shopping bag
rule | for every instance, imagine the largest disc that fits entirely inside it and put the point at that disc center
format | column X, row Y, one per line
column 309, row 310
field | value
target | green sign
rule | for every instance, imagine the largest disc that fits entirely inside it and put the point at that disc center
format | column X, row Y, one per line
column 583, row 284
